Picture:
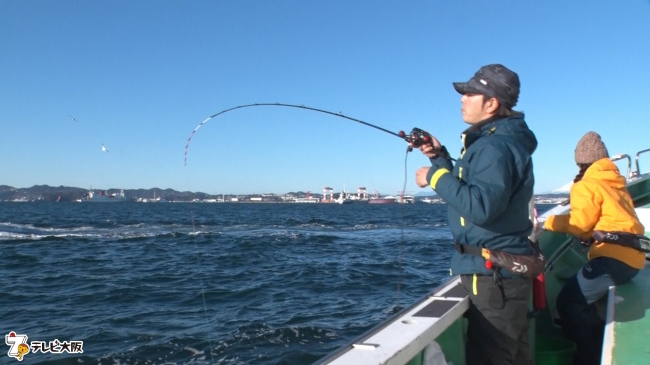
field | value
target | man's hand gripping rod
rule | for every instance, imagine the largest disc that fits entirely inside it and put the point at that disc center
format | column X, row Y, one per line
column 419, row 137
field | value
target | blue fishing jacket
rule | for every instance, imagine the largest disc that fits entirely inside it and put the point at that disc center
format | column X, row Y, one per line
column 488, row 190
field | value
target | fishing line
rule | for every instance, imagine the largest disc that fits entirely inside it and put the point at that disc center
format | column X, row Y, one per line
column 200, row 268
column 194, row 235
column 401, row 243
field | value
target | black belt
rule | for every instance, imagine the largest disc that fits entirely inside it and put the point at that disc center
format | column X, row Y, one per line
column 467, row 249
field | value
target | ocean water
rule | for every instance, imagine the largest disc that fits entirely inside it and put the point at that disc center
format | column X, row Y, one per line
column 181, row 283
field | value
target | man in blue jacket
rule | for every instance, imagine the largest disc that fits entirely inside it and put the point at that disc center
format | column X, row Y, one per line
column 488, row 192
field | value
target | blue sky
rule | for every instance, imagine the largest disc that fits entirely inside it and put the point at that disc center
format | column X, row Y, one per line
column 139, row 76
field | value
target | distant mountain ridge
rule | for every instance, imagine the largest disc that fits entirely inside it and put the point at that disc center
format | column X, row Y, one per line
column 70, row 194
column 66, row 193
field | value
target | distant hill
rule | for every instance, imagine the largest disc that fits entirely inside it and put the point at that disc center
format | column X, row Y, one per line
column 66, row 193
column 40, row 192
column 70, row 194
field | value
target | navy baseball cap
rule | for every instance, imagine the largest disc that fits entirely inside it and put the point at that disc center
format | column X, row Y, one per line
column 495, row 81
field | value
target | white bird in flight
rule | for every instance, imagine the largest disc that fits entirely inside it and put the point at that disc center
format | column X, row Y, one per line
column 71, row 117
column 104, row 148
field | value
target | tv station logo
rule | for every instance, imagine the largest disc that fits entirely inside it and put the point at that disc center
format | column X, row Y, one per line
column 19, row 347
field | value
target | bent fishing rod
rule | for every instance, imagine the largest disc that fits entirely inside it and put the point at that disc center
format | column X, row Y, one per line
column 416, row 138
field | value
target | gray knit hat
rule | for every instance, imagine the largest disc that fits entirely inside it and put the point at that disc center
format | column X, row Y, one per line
column 590, row 148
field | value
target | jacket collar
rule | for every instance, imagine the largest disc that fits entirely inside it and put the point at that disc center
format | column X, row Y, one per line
column 487, row 126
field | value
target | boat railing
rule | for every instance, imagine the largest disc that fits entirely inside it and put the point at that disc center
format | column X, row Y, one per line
column 636, row 160
column 630, row 173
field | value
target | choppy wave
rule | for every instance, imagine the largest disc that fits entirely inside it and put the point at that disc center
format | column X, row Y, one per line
column 213, row 283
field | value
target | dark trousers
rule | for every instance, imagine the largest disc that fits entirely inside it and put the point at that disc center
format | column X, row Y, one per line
column 497, row 321
column 579, row 317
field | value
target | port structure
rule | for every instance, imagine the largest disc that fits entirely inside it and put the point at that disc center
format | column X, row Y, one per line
column 328, row 195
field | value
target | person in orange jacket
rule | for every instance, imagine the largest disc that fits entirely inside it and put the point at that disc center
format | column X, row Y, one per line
column 599, row 201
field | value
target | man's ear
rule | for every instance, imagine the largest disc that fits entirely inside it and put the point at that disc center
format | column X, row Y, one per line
column 492, row 105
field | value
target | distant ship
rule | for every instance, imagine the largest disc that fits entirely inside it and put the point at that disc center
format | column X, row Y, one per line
column 306, row 200
column 347, row 198
column 103, row 197
column 406, row 199
column 385, row 200
column 158, row 199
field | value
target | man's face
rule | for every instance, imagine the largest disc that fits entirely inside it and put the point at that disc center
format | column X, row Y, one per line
column 474, row 109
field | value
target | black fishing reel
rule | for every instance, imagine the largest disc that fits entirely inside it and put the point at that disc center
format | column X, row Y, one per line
column 416, row 138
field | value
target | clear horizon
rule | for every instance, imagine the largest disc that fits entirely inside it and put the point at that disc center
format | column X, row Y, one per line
column 422, row 193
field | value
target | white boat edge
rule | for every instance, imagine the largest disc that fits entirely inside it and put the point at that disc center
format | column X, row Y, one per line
column 406, row 334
